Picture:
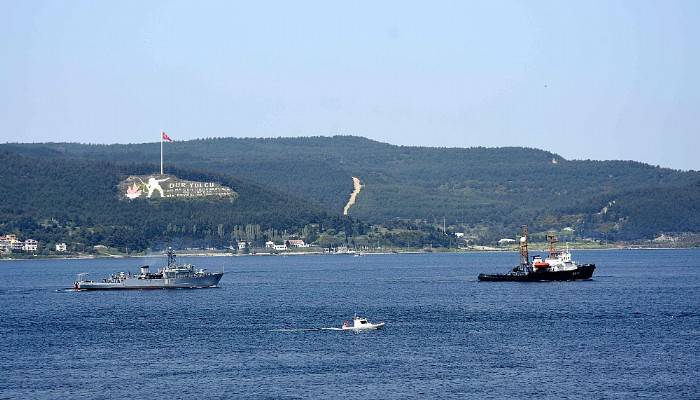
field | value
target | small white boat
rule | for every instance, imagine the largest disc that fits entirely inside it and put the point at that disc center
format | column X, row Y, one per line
column 360, row 324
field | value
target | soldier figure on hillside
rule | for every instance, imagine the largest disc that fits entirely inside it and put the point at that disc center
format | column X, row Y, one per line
column 153, row 185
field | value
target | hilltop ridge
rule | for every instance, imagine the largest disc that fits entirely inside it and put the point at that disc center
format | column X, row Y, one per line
column 487, row 191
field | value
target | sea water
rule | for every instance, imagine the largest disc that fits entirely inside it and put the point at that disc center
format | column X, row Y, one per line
column 632, row 331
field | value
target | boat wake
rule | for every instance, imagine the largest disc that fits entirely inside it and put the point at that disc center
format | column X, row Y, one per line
column 289, row 330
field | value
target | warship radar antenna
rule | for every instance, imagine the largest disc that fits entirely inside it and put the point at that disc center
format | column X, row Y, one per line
column 171, row 257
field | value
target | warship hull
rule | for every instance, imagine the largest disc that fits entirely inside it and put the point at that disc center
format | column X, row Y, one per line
column 135, row 283
column 580, row 273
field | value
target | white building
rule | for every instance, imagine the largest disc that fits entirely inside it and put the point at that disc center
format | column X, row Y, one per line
column 8, row 238
column 280, row 246
column 459, row 235
column 30, row 245
column 505, row 241
column 269, row 244
column 61, row 247
column 297, row 243
column 242, row 245
column 9, row 243
column 4, row 243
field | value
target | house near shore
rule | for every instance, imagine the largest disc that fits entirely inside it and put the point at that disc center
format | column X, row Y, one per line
column 506, row 241
column 61, row 247
column 296, row 243
column 8, row 238
column 5, row 244
column 30, row 245
column 274, row 246
column 10, row 243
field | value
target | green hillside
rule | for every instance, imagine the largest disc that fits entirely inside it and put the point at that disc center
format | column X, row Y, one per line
column 490, row 190
column 55, row 199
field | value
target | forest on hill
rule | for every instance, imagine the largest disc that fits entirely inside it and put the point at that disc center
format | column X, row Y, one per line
column 54, row 199
column 486, row 192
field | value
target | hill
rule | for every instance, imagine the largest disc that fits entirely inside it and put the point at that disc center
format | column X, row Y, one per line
column 487, row 191
column 52, row 198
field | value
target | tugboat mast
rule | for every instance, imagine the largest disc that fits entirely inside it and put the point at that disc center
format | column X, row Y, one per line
column 524, row 255
column 552, row 239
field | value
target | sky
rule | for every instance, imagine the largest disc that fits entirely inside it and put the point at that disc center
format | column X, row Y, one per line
column 586, row 80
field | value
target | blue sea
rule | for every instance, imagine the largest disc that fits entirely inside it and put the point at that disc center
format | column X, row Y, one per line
column 631, row 332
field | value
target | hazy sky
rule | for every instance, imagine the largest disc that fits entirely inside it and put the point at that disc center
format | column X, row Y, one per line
column 600, row 80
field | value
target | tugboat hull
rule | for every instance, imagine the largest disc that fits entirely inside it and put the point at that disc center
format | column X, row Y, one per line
column 581, row 273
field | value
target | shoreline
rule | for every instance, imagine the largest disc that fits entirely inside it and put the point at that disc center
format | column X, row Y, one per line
column 316, row 253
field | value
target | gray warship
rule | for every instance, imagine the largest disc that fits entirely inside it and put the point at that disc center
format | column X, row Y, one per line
column 172, row 276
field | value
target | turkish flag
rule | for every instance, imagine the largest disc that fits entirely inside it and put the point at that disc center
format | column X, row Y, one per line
column 165, row 136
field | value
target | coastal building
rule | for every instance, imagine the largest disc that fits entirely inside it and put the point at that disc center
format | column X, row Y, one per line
column 269, row 244
column 506, row 241
column 10, row 243
column 9, row 238
column 665, row 239
column 280, row 246
column 242, row 245
column 5, row 246
column 30, row 245
column 61, row 247
column 296, row 243
column 459, row 235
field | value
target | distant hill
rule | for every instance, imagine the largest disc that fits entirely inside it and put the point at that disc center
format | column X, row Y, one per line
column 491, row 190
column 52, row 198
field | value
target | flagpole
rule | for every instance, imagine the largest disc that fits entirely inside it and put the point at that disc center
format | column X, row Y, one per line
column 161, row 152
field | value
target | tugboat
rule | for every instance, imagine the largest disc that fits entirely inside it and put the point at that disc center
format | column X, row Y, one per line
column 558, row 266
column 172, row 276
column 360, row 324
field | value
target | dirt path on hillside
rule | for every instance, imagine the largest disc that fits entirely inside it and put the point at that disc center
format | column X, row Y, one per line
column 353, row 196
